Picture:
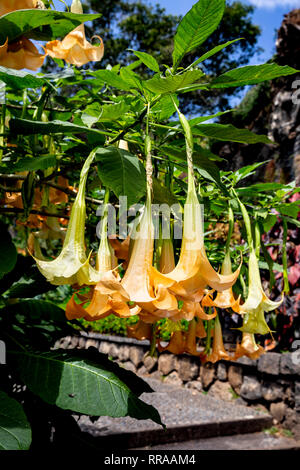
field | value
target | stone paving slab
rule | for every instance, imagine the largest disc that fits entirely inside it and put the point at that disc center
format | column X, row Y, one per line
column 187, row 415
column 254, row 441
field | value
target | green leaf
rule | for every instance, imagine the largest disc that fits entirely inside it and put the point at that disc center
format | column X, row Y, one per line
column 165, row 107
column 122, row 172
column 259, row 188
column 251, row 75
column 196, row 26
column 35, row 163
column 289, row 209
column 147, row 59
column 43, row 25
column 26, row 127
column 110, row 78
column 246, row 171
column 206, row 168
column 171, row 83
column 213, row 51
column 162, row 194
column 35, row 323
column 269, row 222
column 15, row 432
column 73, row 381
column 18, row 79
column 227, row 132
column 8, row 252
column 97, row 113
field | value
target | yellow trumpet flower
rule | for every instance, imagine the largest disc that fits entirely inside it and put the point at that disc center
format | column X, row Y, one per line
column 257, row 302
column 218, row 351
column 248, row 347
column 226, row 298
column 74, row 48
column 21, row 54
column 72, row 265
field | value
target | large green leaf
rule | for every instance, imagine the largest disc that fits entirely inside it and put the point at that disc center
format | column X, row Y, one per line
column 18, row 79
column 165, row 108
column 213, row 51
column 227, row 132
column 26, row 127
column 74, row 381
column 43, row 25
column 15, row 432
column 147, row 59
column 8, row 252
column 122, row 172
column 251, row 75
column 110, row 78
column 36, row 163
column 196, row 26
column 171, row 83
column 35, row 323
column 96, row 112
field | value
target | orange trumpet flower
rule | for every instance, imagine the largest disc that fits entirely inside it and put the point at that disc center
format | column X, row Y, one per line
column 21, row 54
column 74, row 48
column 248, row 347
column 7, row 6
column 218, row 351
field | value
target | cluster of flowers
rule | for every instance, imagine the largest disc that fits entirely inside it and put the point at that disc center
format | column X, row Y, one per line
column 182, row 291
column 23, row 54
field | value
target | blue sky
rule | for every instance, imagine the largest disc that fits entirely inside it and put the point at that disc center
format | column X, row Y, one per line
column 268, row 15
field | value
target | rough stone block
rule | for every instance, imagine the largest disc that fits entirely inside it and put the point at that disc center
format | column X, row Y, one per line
column 113, row 351
column 91, row 343
column 271, row 391
column 136, row 355
column 124, row 352
column 188, row 368
column 269, row 363
column 222, row 372
column 104, row 347
column 173, row 378
column 220, row 390
column 289, row 365
column 278, row 411
column 166, row 363
column 194, row 385
column 246, row 361
column 129, row 366
column 142, row 370
column 251, row 388
column 207, row 375
column 149, row 362
column 235, row 377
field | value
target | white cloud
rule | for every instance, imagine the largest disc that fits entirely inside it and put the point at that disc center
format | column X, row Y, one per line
column 271, row 4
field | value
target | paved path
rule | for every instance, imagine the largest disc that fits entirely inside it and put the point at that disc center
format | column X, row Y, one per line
column 188, row 415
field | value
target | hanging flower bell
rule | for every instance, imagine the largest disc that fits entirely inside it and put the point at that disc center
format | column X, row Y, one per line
column 21, row 54
column 72, row 265
column 74, row 48
column 248, row 347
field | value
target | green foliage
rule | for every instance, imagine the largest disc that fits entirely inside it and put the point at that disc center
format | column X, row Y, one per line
column 43, row 25
column 15, row 432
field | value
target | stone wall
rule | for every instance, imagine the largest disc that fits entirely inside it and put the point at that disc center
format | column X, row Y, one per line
column 271, row 383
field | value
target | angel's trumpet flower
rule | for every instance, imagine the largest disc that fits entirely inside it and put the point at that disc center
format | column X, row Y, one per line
column 194, row 271
column 72, row 265
column 107, row 296
column 257, row 302
column 185, row 341
column 166, row 259
column 226, row 298
column 21, row 54
column 7, row 6
column 74, row 48
column 140, row 330
column 248, row 347
column 218, row 351
column 144, row 284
